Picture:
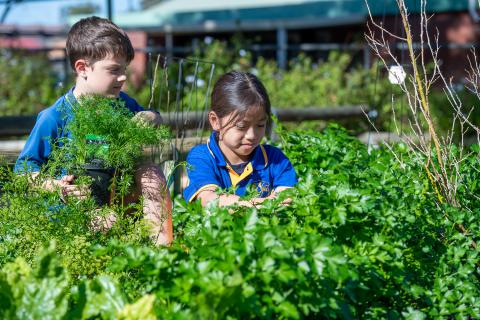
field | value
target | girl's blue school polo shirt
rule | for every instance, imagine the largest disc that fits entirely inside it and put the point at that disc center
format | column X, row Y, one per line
column 50, row 126
column 268, row 169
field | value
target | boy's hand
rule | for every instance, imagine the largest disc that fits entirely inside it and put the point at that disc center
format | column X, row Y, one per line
column 66, row 188
column 148, row 118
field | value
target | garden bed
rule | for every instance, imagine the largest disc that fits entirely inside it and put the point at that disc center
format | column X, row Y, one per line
column 364, row 237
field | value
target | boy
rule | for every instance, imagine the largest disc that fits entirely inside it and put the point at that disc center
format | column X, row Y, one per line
column 99, row 53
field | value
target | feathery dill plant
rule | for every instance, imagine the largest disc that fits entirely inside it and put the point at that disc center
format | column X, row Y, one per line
column 105, row 139
column 33, row 216
column 111, row 123
column 102, row 132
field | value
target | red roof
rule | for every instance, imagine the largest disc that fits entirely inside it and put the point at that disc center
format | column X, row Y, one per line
column 22, row 42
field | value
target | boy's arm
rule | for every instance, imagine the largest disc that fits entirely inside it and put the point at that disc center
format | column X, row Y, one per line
column 35, row 154
column 38, row 146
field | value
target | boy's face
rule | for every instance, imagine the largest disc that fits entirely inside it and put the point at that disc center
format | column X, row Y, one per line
column 105, row 77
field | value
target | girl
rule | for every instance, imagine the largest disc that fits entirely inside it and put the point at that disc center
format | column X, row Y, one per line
column 233, row 156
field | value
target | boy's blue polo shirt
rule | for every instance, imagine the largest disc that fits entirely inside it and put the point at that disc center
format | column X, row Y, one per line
column 49, row 127
column 207, row 167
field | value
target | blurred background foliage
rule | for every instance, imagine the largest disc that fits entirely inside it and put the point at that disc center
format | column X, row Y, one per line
column 28, row 84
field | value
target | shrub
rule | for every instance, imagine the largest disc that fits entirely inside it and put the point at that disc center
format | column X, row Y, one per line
column 27, row 83
column 363, row 238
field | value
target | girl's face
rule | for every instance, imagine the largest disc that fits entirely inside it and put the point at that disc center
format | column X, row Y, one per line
column 237, row 139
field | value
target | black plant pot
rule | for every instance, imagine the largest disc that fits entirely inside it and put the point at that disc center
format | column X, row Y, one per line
column 101, row 177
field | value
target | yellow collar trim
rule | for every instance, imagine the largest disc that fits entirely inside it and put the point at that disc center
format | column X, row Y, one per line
column 235, row 177
column 264, row 155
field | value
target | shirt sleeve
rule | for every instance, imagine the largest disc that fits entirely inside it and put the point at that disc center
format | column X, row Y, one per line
column 38, row 146
column 282, row 170
column 201, row 173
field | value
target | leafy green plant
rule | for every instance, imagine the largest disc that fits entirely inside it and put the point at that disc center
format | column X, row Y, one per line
column 108, row 120
column 103, row 133
column 363, row 238
column 44, row 292
column 33, row 216
column 38, row 293
column 27, row 83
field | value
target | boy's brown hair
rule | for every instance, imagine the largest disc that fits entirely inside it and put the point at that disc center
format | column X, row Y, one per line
column 95, row 38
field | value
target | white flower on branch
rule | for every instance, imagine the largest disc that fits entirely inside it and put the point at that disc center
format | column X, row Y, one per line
column 396, row 74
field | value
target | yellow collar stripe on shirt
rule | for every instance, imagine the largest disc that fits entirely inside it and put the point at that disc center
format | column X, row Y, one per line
column 235, row 177
column 264, row 155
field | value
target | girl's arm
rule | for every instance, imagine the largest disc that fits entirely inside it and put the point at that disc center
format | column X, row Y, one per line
column 210, row 194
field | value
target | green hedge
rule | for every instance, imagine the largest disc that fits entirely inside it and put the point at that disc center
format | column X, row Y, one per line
column 27, row 83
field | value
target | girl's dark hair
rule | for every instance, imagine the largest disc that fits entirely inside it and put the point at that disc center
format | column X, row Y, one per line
column 236, row 92
column 95, row 38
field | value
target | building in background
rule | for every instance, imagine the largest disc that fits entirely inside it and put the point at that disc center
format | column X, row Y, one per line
column 281, row 29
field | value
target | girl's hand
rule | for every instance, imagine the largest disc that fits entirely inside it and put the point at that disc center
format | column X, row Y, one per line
column 273, row 195
column 210, row 194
